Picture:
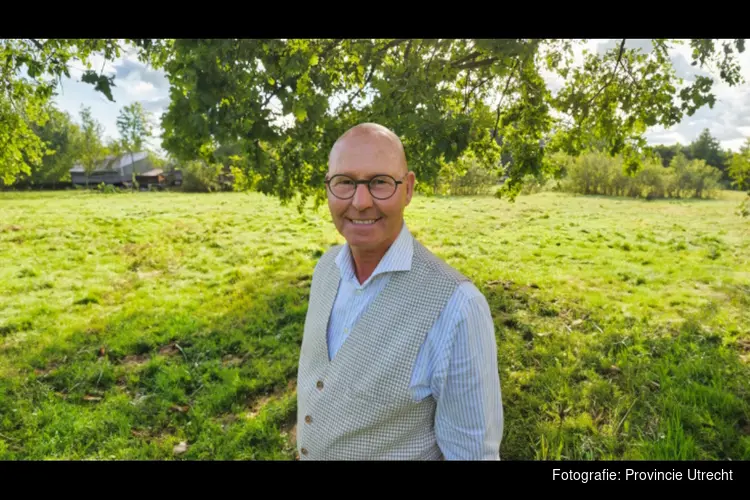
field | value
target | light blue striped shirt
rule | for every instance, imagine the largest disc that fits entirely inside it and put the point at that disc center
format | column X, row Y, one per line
column 457, row 364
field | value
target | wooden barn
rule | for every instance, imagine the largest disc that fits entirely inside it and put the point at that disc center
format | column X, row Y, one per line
column 155, row 177
column 115, row 170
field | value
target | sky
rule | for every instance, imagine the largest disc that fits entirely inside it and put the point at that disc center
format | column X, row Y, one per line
column 134, row 81
column 728, row 121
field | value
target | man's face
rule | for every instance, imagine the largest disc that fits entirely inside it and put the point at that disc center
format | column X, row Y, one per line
column 362, row 158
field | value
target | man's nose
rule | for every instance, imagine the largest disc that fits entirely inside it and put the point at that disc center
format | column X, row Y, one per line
column 362, row 199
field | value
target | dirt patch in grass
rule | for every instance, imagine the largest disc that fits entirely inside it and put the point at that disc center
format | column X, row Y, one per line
column 259, row 403
column 232, row 360
column 170, row 349
column 134, row 360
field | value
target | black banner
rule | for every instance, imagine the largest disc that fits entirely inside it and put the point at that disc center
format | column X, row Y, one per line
column 582, row 476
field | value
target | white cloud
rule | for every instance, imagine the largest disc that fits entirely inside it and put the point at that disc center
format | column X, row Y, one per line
column 138, row 89
column 734, row 144
column 662, row 136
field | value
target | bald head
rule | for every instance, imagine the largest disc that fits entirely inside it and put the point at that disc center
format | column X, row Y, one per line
column 381, row 143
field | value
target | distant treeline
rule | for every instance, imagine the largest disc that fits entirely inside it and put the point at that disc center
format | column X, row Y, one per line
column 697, row 170
column 705, row 147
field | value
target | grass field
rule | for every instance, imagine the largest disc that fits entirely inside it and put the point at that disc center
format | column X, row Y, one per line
column 167, row 325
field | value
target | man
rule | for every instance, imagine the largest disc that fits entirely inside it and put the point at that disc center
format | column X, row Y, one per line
column 398, row 359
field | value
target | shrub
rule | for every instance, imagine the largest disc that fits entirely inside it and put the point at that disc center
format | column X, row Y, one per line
column 592, row 173
column 466, row 177
column 744, row 209
column 598, row 173
column 201, row 177
column 476, row 180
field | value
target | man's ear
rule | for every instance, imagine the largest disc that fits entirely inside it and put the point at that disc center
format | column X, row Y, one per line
column 410, row 182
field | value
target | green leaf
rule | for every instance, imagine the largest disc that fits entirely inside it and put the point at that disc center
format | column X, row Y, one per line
column 300, row 114
column 102, row 83
column 314, row 60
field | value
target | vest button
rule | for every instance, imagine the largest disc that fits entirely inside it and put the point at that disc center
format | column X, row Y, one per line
column 308, row 419
column 320, row 384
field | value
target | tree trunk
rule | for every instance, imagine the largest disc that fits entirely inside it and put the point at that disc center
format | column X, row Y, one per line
column 132, row 172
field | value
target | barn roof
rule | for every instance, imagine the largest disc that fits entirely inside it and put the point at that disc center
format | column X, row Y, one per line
column 112, row 162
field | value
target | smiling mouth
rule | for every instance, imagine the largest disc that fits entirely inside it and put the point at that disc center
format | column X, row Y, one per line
column 364, row 222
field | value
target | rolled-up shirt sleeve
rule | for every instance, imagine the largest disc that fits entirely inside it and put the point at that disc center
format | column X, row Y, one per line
column 469, row 413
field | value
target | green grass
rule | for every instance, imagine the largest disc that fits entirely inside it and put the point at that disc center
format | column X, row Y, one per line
column 130, row 323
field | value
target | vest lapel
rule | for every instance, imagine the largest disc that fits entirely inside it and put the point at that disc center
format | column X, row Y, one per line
column 327, row 297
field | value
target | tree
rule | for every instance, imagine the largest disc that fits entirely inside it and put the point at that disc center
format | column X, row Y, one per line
column 739, row 167
column 20, row 147
column 114, row 147
column 666, row 153
column 61, row 137
column 91, row 149
column 286, row 101
column 707, row 148
column 134, row 127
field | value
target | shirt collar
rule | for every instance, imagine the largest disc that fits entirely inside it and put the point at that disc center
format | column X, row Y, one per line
column 397, row 258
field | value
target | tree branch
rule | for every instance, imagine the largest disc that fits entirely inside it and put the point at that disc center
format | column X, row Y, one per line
column 502, row 98
column 612, row 75
column 49, row 57
column 477, row 64
column 466, row 94
column 479, row 84
column 327, row 50
column 271, row 95
column 392, row 44
column 374, row 65
column 37, row 43
column 630, row 73
column 467, row 58
column 367, row 81
column 662, row 46
column 432, row 56
column 516, row 66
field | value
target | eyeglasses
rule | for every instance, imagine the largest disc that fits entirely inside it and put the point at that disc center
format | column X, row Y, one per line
column 381, row 187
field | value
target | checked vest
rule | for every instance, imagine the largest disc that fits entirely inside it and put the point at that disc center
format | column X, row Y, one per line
column 358, row 406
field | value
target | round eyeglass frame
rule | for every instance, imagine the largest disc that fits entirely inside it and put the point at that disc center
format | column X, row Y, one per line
column 367, row 183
